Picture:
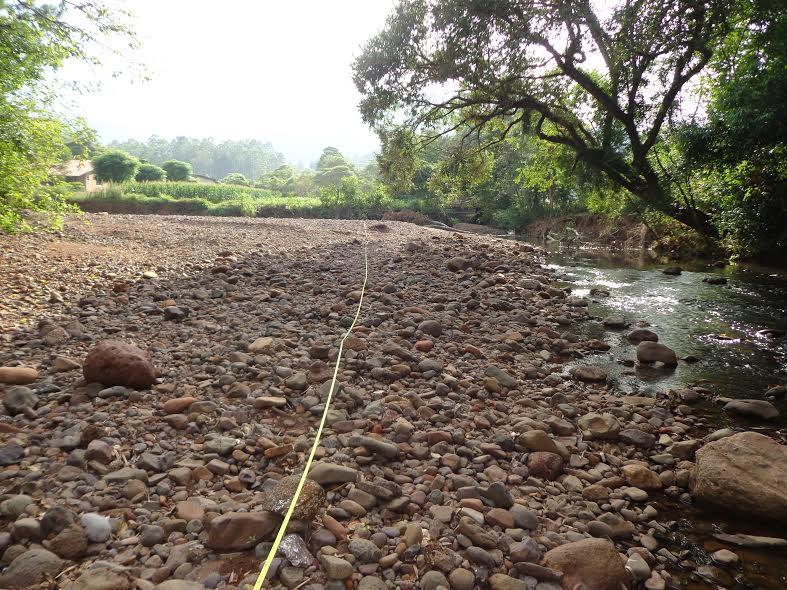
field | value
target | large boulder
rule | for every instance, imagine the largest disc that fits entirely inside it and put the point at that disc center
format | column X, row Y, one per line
column 114, row 362
column 744, row 474
column 651, row 352
column 592, row 564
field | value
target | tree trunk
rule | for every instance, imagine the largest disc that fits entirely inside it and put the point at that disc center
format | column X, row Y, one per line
column 655, row 196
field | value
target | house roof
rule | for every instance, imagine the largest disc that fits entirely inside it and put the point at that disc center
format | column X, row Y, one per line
column 74, row 168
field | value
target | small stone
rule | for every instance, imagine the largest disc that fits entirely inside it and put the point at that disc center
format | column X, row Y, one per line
column 18, row 375
column 461, row 579
column 364, row 550
column 151, row 535
column 31, row 567
column 70, row 543
column 641, row 477
column 589, row 373
column 18, row 399
column 756, row 408
column 336, row 568
column 432, row 580
column 725, row 557
column 237, row 531
column 431, row 327
column 97, row 527
column 651, row 352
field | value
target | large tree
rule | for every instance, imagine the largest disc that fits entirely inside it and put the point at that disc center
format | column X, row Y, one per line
column 602, row 79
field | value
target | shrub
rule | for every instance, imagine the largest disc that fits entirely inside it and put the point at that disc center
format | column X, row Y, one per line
column 115, row 166
column 150, row 172
column 177, row 170
column 235, row 178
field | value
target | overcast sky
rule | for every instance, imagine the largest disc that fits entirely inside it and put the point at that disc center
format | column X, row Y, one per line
column 272, row 70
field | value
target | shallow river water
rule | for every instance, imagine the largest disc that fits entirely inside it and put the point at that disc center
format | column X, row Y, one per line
column 718, row 325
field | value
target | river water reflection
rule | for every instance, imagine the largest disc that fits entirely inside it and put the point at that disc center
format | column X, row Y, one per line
column 717, row 324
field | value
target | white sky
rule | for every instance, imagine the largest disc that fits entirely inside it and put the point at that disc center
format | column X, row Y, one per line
column 274, row 70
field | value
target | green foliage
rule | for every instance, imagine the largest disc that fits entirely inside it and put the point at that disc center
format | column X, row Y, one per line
column 251, row 158
column 214, row 193
column 150, row 172
column 115, row 166
column 235, row 178
column 177, row 170
column 332, row 169
column 35, row 40
column 520, row 65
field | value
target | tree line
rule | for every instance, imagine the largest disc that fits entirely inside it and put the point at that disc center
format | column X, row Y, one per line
column 668, row 110
column 250, row 157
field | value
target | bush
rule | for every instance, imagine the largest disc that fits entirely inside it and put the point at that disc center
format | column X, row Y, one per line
column 235, row 178
column 150, row 172
column 177, row 170
column 115, row 166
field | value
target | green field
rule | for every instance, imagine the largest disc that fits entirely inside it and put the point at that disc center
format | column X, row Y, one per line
column 189, row 198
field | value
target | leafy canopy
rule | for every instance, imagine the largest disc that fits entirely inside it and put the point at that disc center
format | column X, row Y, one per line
column 35, row 39
column 603, row 85
column 115, row 166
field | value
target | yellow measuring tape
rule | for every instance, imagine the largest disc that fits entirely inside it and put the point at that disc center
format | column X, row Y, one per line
column 280, row 535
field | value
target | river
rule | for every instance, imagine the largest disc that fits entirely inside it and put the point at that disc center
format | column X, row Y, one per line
column 718, row 325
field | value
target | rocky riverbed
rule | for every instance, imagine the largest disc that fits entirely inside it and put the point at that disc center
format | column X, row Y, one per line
column 162, row 378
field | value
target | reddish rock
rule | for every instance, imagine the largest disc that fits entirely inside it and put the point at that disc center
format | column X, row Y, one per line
column 545, row 465
column 592, row 564
column 114, row 362
column 177, row 405
column 424, row 345
column 237, row 531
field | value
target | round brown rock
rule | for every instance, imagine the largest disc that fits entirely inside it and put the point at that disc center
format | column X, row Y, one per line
column 310, row 501
column 592, row 564
column 114, row 362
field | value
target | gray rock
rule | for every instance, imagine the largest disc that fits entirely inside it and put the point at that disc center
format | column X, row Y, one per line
column 638, row 438
column 14, row 506
column 18, row 399
column 461, row 579
column 757, row 408
column 31, row 567
column 331, row 473
column 336, row 568
column 502, row 377
column 364, row 550
column 151, row 535
column 432, row 579
column 651, row 352
column 221, row 445
column 97, row 527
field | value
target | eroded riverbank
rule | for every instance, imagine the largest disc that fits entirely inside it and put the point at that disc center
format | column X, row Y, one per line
column 462, row 451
